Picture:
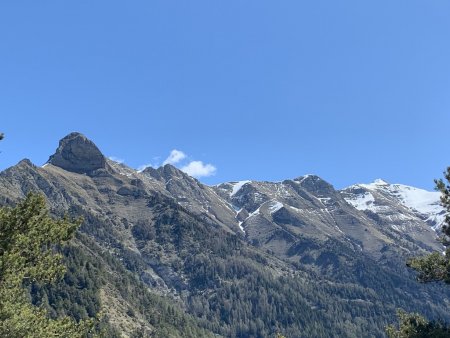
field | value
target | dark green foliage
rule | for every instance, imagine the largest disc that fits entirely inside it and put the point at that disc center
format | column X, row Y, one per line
column 436, row 267
column 77, row 294
column 431, row 268
column 165, row 316
column 236, row 291
column 229, row 287
column 413, row 325
column 444, row 188
column 222, row 284
column 28, row 236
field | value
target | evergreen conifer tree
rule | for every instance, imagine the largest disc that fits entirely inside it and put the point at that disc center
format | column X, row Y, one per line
column 28, row 237
column 434, row 267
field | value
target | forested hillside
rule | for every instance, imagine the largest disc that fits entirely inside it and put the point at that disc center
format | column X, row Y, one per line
column 159, row 254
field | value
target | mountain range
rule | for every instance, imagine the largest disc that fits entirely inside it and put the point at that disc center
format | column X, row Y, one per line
column 175, row 257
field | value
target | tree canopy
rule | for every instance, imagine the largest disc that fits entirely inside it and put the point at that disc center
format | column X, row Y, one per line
column 28, row 237
column 434, row 267
column 413, row 325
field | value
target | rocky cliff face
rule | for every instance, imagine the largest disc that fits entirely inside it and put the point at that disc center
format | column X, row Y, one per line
column 278, row 214
column 397, row 202
column 78, row 154
column 192, row 242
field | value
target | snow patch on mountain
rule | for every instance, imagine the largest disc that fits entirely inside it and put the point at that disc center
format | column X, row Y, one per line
column 275, row 207
column 237, row 186
column 254, row 213
column 302, row 178
column 241, row 227
column 426, row 203
column 362, row 201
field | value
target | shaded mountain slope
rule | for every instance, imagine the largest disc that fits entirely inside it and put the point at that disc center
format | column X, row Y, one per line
column 242, row 259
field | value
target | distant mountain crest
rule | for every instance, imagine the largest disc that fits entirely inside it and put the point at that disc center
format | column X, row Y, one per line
column 315, row 185
column 379, row 196
column 76, row 153
column 380, row 181
column 316, row 250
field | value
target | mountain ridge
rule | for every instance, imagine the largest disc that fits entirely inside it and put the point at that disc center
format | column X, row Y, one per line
column 75, row 149
column 200, row 246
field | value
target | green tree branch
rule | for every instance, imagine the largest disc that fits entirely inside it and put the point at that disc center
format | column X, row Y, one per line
column 28, row 237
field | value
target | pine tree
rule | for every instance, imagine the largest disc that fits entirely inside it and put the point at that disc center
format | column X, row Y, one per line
column 28, row 237
column 413, row 325
column 436, row 267
column 431, row 268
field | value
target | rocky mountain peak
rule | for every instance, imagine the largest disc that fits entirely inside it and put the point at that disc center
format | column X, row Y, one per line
column 76, row 153
column 385, row 199
column 164, row 232
column 168, row 171
column 152, row 172
column 314, row 184
column 380, row 181
column 26, row 163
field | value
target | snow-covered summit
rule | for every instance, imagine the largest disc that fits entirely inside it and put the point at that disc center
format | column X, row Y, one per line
column 373, row 197
column 380, row 181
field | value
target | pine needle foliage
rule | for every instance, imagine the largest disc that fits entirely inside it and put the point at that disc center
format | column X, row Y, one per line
column 28, row 238
column 436, row 267
column 413, row 325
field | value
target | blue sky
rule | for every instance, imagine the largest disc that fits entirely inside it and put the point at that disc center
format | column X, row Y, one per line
column 267, row 90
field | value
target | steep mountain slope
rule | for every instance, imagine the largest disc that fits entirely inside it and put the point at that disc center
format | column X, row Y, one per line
column 382, row 198
column 242, row 259
column 192, row 195
column 274, row 215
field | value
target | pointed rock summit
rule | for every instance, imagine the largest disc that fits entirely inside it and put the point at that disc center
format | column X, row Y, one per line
column 380, row 181
column 315, row 184
column 78, row 154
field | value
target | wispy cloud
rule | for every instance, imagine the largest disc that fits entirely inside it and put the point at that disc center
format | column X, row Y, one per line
column 116, row 159
column 181, row 160
column 155, row 164
column 143, row 166
column 199, row 169
column 175, row 157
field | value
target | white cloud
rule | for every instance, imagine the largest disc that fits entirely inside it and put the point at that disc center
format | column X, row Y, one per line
column 155, row 164
column 142, row 167
column 175, row 157
column 199, row 169
column 180, row 159
column 116, row 159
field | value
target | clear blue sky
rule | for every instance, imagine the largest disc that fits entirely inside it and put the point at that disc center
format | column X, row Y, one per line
column 268, row 90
